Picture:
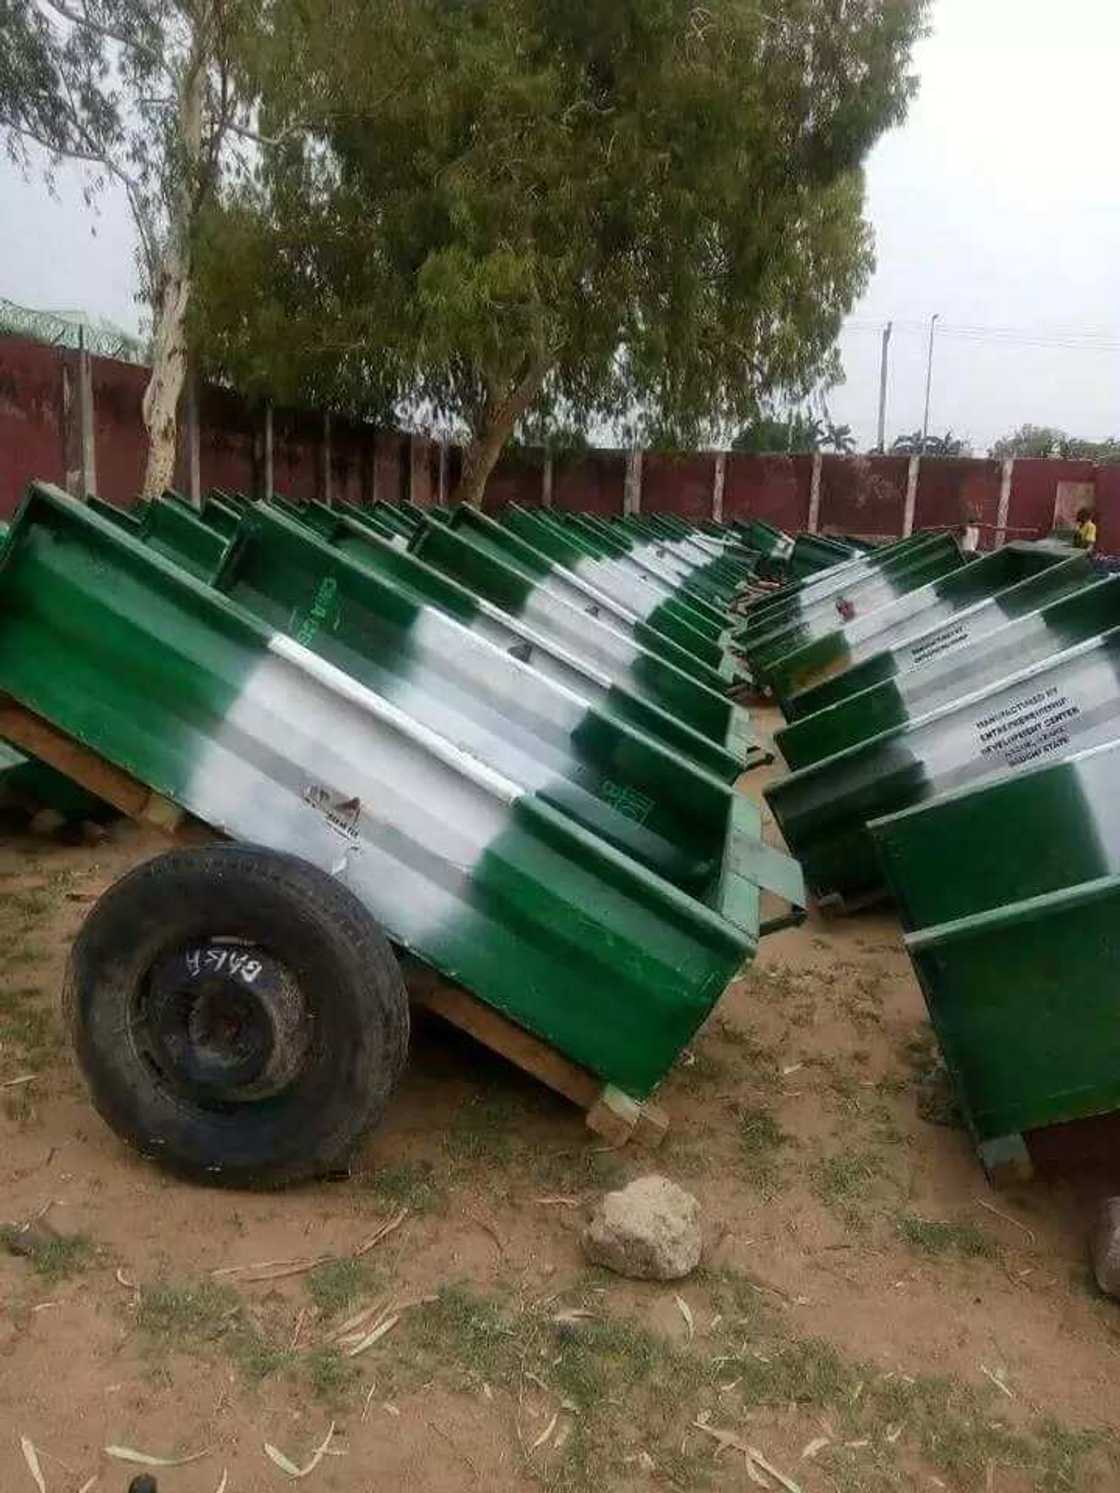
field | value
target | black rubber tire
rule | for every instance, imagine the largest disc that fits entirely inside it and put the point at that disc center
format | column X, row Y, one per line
column 347, row 975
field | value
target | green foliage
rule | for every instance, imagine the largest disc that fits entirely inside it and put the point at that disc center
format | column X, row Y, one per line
column 796, row 432
column 1048, row 440
column 915, row 444
column 648, row 212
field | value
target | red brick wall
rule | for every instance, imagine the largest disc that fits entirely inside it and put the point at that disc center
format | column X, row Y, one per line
column 391, row 457
column 1108, row 510
column 863, row 495
column 678, row 484
column 591, row 483
column 775, row 488
column 951, row 487
column 31, row 434
column 39, row 438
column 118, row 429
column 231, row 444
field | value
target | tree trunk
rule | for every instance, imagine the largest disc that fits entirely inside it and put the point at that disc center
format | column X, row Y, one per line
column 169, row 369
column 495, row 428
column 173, row 291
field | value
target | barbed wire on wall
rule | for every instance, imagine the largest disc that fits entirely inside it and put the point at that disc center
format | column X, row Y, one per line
column 71, row 329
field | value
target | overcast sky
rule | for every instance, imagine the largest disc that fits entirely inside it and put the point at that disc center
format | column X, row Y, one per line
column 997, row 206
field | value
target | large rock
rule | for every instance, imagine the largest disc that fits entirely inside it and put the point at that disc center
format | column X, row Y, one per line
column 648, row 1231
column 1106, row 1247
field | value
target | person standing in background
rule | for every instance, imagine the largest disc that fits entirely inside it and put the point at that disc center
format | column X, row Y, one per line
column 1085, row 534
column 970, row 534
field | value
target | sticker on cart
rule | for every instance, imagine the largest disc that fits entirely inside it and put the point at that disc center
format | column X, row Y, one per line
column 1028, row 729
column 342, row 814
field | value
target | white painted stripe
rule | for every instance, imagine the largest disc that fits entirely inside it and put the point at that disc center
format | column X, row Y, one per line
column 310, row 762
column 589, row 630
column 334, row 682
column 626, row 587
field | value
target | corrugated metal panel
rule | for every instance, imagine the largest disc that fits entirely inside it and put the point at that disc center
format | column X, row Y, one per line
column 943, row 675
column 1013, row 892
column 964, row 595
column 864, row 595
column 259, row 736
column 1063, row 705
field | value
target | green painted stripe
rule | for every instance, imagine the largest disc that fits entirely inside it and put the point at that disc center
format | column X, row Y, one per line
column 180, row 686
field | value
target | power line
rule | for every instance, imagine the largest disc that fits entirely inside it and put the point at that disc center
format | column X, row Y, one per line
column 1085, row 341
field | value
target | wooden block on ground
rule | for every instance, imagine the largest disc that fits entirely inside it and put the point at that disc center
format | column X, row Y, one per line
column 620, row 1119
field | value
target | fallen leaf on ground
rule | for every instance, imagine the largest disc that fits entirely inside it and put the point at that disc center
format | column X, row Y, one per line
column 272, row 1269
column 546, row 1433
column 285, row 1464
column 372, row 1337
column 383, row 1232
column 686, row 1312
column 143, row 1459
column 31, row 1457
column 814, row 1448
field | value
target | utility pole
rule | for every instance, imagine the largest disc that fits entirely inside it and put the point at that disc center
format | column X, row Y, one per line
column 887, row 330
column 929, row 378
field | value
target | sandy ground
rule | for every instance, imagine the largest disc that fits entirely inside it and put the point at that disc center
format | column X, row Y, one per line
column 863, row 1316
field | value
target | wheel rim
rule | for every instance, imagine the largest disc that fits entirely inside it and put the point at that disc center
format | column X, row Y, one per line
column 224, row 1022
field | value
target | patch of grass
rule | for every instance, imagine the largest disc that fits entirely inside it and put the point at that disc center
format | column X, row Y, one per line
column 738, row 1302
column 482, row 1131
column 930, row 1236
column 18, row 955
column 586, row 1169
column 468, row 1333
column 28, row 1025
column 846, row 1180
column 330, row 1377
column 28, row 905
column 410, row 1184
column 338, row 1284
column 203, row 1317
column 699, row 1074
column 55, row 1257
column 761, row 1138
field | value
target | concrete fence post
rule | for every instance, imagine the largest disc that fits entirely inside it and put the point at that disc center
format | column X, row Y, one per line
column 194, row 442
column 546, row 480
column 912, row 476
column 815, row 494
column 1006, row 475
column 269, row 458
column 632, row 488
column 85, row 420
column 327, row 483
column 719, row 478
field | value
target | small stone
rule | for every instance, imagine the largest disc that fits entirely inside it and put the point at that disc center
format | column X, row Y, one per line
column 46, row 822
column 649, row 1230
column 1106, row 1247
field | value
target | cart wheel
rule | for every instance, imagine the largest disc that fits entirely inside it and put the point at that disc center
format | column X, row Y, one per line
column 238, row 1015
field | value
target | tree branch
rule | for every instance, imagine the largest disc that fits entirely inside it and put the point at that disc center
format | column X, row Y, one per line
column 248, row 134
column 108, row 32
